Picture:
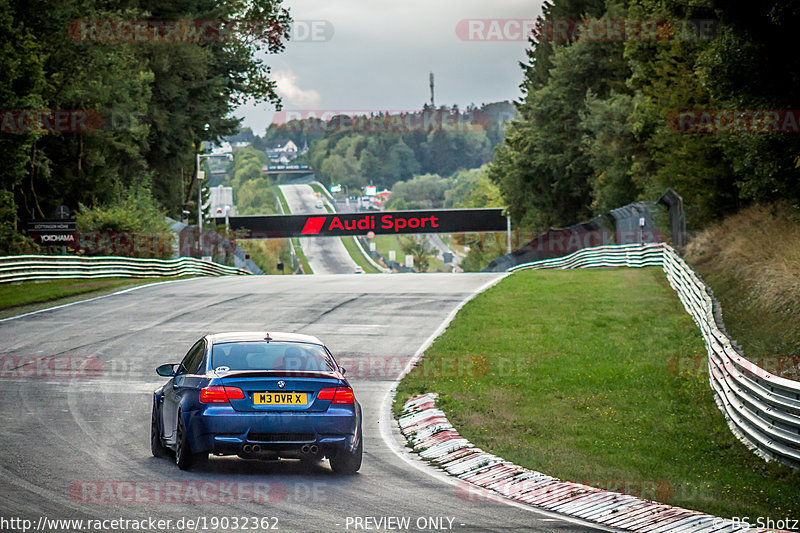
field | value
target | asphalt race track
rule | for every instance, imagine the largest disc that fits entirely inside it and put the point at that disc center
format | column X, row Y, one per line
column 76, row 445
column 326, row 255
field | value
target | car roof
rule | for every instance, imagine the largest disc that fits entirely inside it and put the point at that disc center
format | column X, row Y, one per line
column 243, row 336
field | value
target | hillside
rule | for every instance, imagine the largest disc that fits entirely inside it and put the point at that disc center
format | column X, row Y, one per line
column 752, row 262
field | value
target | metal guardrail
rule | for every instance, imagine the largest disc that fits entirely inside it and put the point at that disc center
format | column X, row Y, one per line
column 762, row 409
column 46, row 267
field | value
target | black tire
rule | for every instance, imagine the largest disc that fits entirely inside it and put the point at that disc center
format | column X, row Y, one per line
column 157, row 447
column 183, row 454
column 347, row 463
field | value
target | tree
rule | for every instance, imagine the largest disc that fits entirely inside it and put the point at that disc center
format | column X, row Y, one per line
column 421, row 192
column 400, row 163
column 752, row 45
column 21, row 83
column 256, row 197
column 152, row 104
column 198, row 85
column 612, row 148
column 135, row 213
column 247, row 165
column 543, row 168
column 415, row 247
column 473, row 188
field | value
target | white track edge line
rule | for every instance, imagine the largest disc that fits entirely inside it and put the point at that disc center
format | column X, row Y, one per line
column 122, row 291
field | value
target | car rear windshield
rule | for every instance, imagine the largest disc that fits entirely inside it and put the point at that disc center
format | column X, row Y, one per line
column 261, row 355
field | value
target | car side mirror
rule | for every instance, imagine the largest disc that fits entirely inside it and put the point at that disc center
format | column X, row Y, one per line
column 343, row 369
column 167, row 370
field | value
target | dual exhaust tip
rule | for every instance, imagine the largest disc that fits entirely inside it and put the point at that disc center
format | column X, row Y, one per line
column 312, row 449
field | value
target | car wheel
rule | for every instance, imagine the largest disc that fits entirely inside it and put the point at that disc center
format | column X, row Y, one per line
column 156, row 444
column 347, row 463
column 183, row 454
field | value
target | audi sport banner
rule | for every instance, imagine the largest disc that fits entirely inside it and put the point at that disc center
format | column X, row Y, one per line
column 378, row 222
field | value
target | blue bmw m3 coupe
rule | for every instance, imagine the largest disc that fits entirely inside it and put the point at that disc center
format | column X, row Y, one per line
column 259, row 396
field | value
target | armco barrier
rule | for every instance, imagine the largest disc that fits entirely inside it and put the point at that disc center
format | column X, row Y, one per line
column 46, row 267
column 762, row 409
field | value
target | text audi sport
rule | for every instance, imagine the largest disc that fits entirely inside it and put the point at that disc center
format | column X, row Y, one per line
column 387, row 222
column 259, row 396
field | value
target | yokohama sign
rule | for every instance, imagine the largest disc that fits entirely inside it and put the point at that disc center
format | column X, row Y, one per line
column 60, row 232
column 378, row 222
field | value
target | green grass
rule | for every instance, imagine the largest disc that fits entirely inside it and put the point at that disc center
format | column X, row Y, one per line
column 301, row 257
column 385, row 243
column 358, row 256
column 320, row 189
column 436, row 265
column 568, row 373
column 19, row 298
column 267, row 253
column 282, row 200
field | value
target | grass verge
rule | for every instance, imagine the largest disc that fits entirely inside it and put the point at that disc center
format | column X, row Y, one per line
column 321, row 190
column 569, row 373
column 267, row 253
column 19, row 298
column 282, row 200
column 301, row 257
column 358, row 256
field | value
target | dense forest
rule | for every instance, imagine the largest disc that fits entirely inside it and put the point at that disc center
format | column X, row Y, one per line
column 610, row 117
column 384, row 149
column 151, row 102
column 432, row 158
column 606, row 117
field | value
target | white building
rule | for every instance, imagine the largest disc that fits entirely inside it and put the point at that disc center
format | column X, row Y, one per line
column 283, row 151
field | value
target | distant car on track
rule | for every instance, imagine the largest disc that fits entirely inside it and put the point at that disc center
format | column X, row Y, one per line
column 259, row 396
column 358, row 270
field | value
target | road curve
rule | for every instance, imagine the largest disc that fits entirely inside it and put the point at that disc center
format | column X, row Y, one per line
column 76, row 447
column 326, row 255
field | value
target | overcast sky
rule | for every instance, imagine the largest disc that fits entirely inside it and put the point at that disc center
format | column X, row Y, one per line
column 381, row 52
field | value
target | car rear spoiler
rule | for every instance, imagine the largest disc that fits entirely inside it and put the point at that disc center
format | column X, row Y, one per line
column 279, row 374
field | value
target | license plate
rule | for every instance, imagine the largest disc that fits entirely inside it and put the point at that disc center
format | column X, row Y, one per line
column 279, row 398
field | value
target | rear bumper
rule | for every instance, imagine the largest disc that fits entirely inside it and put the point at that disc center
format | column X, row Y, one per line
column 221, row 430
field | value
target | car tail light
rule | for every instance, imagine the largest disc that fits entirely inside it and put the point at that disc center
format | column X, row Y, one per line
column 340, row 395
column 219, row 394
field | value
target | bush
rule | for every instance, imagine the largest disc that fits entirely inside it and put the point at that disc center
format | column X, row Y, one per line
column 134, row 226
column 267, row 253
column 12, row 242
